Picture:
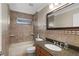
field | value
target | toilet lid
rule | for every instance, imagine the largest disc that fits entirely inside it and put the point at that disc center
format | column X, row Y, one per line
column 31, row 48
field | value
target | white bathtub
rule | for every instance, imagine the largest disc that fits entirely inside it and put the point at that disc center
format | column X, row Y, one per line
column 19, row 48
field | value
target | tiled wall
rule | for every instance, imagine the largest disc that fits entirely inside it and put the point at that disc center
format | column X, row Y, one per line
column 20, row 33
column 67, row 36
column 35, row 27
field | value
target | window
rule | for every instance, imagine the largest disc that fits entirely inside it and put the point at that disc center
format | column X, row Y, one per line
column 24, row 21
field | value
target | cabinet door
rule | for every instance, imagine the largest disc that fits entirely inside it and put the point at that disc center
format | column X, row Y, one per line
column 41, row 52
column 44, row 52
column 38, row 51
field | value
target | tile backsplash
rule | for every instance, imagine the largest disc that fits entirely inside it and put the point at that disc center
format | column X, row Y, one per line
column 67, row 36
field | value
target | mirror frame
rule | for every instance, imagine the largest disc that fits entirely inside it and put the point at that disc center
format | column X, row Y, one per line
column 58, row 28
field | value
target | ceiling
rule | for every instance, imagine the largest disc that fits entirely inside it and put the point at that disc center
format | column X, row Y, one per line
column 29, row 8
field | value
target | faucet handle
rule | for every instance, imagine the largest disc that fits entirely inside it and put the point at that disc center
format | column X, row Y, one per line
column 65, row 45
column 57, row 43
column 54, row 42
column 61, row 44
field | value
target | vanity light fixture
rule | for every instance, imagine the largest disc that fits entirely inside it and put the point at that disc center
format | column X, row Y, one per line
column 52, row 5
column 56, row 4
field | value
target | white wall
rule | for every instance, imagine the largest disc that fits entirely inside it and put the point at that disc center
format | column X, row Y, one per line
column 5, row 18
column 0, row 30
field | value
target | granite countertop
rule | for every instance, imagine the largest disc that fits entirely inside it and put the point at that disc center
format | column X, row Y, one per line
column 64, row 52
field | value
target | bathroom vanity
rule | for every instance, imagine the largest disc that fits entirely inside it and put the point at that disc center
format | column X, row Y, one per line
column 58, row 23
column 41, row 50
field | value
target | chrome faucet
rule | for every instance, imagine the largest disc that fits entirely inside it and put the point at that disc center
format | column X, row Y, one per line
column 54, row 42
column 65, row 45
column 61, row 44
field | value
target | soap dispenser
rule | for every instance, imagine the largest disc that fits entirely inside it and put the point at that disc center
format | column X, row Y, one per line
column 38, row 38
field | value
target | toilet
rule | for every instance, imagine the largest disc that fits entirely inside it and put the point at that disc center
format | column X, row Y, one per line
column 30, row 50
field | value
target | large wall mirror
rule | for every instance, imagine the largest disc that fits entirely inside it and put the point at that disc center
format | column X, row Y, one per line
column 66, row 16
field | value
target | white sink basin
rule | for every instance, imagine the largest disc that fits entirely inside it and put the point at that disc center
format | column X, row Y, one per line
column 39, row 39
column 53, row 47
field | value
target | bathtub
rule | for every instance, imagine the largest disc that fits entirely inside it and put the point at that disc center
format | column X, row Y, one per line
column 19, row 48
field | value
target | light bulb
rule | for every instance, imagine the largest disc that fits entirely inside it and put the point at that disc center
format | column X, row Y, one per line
column 51, row 6
column 56, row 4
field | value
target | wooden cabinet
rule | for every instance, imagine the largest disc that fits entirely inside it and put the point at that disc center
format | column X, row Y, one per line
column 41, row 52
